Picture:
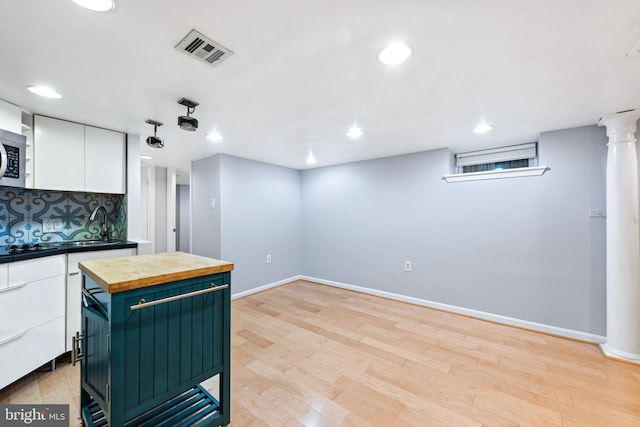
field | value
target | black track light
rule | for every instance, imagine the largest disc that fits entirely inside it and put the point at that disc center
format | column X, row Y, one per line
column 155, row 141
column 187, row 122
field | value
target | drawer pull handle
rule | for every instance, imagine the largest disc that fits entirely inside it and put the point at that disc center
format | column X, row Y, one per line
column 142, row 303
column 75, row 273
column 12, row 338
column 14, row 287
column 76, row 354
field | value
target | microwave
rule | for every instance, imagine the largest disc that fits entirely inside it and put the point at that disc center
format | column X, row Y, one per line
column 12, row 159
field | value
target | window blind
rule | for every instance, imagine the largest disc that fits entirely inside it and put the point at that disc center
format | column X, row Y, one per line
column 495, row 155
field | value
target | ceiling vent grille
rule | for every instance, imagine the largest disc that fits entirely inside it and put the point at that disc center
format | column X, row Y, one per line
column 202, row 48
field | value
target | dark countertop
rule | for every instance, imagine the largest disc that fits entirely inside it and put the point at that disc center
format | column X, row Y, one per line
column 58, row 248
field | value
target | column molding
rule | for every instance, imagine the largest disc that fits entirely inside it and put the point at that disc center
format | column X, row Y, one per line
column 623, row 238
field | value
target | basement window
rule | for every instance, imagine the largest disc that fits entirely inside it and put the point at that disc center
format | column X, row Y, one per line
column 504, row 162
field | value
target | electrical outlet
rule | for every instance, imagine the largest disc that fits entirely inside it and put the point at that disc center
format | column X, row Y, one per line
column 51, row 225
column 407, row 266
column 268, row 258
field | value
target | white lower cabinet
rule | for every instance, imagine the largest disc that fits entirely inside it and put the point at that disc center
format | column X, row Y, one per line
column 74, row 286
column 30, row 350
column 4, row 276
column 32, row 316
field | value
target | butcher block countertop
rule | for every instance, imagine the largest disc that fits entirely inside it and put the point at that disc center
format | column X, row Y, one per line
column 138, row 271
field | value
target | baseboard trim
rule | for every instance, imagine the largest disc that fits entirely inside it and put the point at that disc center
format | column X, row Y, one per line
column 496, row 318
column 613, row 353
column 265, row 287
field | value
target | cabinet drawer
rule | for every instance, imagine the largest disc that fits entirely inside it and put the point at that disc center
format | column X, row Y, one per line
column 74, row 258
column 4, row 276
column 21, row 272
column 26, row 307
column 31, row 350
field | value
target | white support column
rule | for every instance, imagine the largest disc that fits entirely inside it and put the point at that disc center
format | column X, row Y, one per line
column 623, row 238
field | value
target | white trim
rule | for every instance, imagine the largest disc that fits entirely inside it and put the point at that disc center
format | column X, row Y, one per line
column 538, row 327
column 171, row 210
column 619, row 354
column 265, row 287
column 496, row 174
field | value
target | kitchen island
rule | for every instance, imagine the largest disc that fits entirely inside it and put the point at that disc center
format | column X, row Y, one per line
column 154, row 327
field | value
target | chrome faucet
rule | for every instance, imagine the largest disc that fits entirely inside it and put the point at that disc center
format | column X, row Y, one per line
column 104, row 234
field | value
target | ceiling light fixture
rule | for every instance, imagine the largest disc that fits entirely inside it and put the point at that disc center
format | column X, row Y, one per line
column 96, row 5
column 310, row 159
column 155, row 141
column 187, row 122
column 355, row 132
column 145, row 157
column 214, row 136
column 395, row 53
column 483, row 128
column 44, row 91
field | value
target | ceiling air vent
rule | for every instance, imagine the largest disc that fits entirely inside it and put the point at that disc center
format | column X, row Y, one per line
column 203, row 49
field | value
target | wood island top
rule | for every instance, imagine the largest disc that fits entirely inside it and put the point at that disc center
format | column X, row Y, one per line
column 138, row 271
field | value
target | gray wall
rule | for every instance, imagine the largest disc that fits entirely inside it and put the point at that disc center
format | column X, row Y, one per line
column 205, row 219
column 522, row 247
column 257, row 213
column 160, row 238
column 183, row 218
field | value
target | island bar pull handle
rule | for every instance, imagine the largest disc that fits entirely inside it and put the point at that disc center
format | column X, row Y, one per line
column 143, row 303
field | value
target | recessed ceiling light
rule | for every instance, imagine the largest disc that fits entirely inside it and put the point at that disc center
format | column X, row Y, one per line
column 44, row 91
column 214, row 136
column 395, row 53
column 354, row 132
column 143, row 157
column 310, row 159
column 483, row 128
column 96, row 5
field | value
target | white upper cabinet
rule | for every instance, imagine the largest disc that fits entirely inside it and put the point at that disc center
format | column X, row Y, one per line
column 104, row 161
column 74, row 157
column 10, row 117
column 58, row 154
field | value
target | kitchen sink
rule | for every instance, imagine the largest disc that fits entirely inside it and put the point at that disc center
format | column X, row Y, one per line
column 84, row 243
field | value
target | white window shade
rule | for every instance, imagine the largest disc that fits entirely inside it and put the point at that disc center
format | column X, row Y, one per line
column 494, row 155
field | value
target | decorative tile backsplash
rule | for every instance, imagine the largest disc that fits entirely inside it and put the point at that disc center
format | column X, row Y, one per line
column 23, row 212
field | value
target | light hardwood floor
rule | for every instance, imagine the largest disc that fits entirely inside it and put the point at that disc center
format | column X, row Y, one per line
column 305, row 354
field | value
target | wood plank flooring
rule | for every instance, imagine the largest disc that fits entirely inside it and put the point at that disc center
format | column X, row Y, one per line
column 305, row 354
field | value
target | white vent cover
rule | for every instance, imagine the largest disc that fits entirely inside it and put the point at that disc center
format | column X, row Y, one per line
column 202, row 48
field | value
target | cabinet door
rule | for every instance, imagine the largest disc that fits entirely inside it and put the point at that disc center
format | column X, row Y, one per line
column 170, row 347
column 104, row 160
column 58, row 151
column 4, row 276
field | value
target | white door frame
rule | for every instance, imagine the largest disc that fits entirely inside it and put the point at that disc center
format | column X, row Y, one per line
column 171, row 210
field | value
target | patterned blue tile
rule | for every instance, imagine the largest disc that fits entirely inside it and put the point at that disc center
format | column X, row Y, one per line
column 18, row 233
column 14, row 201
column 5, row 216
column 23, row 212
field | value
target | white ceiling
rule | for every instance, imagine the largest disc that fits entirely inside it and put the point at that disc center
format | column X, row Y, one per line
column 305, row 71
